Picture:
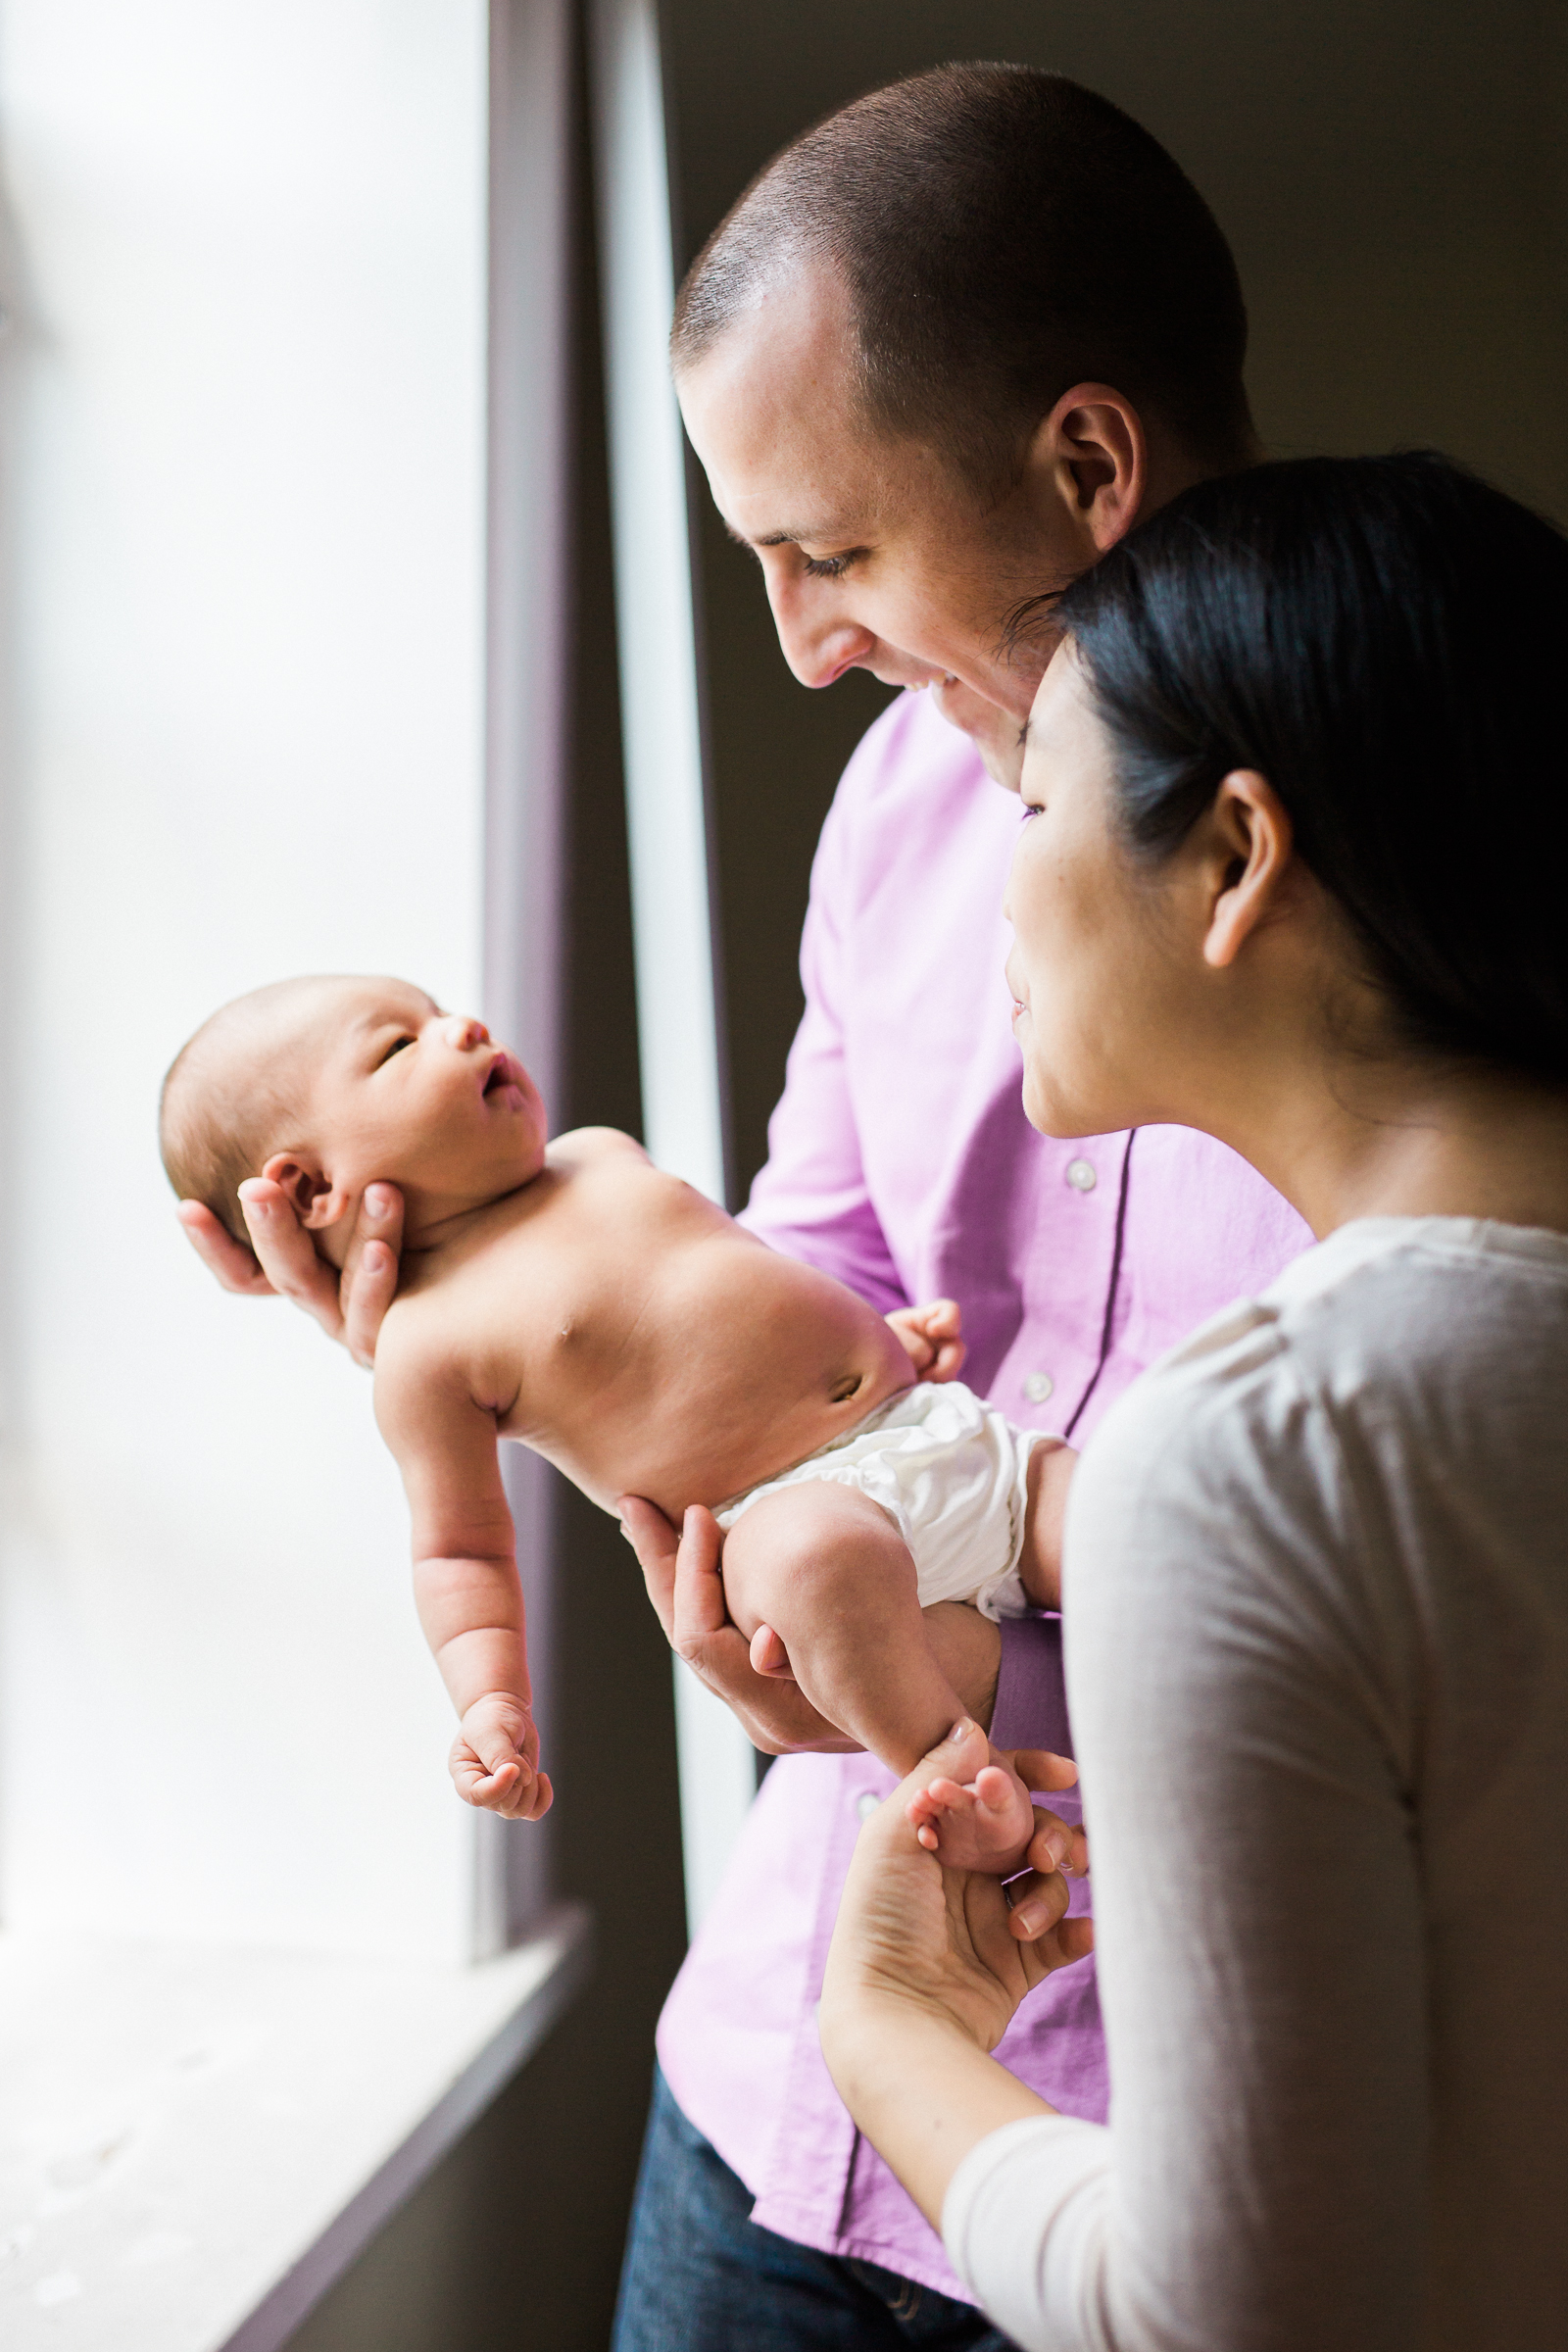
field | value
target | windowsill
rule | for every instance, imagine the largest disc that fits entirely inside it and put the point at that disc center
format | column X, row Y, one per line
column 195, row 2141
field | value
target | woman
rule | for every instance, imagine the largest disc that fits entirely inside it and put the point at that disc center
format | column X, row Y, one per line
column 1292, row 776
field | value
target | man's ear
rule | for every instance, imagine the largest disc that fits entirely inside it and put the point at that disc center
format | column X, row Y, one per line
column 1250, row 851
column 1091, row 458
column 317, row 1201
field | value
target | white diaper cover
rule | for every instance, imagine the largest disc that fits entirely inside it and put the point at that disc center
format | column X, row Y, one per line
column 951, row 1473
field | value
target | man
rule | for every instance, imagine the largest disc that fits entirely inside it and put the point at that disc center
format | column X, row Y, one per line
column 945, row 350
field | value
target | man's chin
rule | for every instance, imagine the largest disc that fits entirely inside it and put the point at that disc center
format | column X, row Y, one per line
column 994, row 732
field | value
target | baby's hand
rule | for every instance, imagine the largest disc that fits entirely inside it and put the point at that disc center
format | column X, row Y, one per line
column 495, row 1759
column 930, row 1338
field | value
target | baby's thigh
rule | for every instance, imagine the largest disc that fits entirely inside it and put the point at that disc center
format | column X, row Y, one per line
column 816, row 1547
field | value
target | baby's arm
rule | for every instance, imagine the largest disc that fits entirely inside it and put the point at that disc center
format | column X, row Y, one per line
column 931, row 1335
column 466, row 1577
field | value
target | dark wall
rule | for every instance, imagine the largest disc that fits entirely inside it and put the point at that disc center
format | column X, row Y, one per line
column 1394, row 182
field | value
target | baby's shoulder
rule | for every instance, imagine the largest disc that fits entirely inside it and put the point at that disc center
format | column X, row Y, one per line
column 421, row 1345
column 596, row 1147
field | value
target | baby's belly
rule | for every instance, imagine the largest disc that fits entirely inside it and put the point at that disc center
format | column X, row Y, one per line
column 708, row 1440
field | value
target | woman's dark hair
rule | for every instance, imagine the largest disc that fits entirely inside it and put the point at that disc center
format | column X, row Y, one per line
column 1384, row 639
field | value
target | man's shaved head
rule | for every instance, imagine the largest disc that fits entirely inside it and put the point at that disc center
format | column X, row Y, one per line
column 1002, row 235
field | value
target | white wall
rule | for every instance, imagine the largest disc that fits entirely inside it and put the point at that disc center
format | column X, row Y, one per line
column 245, row 408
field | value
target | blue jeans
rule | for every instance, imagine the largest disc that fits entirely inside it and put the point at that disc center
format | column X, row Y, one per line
column 701, row 2276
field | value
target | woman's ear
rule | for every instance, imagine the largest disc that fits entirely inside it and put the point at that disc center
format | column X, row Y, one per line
column 317, row 1201
column 1250, row 846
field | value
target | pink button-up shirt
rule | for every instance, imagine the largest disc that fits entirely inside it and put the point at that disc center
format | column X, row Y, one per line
column 901, row 1161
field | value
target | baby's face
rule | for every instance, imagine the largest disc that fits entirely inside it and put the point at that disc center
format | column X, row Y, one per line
column 407, row 1094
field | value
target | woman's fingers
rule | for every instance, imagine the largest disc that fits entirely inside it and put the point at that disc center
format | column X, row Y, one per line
column 228, row 1261
column 1037, row 1915
column 1040, row 1770
column 287, row 1255
column 371, row 1269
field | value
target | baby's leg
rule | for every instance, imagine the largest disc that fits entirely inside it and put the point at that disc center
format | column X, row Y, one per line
column 1051, row 1469
column 829, row 1572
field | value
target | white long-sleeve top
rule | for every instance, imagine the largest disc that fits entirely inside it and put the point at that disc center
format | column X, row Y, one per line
column 1318, row 1577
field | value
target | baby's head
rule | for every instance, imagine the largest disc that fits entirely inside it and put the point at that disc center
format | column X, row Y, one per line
column 325, row 1086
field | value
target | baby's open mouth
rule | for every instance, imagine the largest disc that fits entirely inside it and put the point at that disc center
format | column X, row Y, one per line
column 503, row 1072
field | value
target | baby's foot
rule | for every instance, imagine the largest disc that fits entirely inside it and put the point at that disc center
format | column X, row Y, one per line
column 985, row 1824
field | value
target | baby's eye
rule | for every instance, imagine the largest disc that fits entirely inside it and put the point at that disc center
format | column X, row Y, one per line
column 396, row 1046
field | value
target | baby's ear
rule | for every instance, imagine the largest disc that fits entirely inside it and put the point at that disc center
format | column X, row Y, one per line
column 317, row 1201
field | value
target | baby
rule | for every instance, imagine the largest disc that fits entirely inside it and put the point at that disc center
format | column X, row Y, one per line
column 570, row 1296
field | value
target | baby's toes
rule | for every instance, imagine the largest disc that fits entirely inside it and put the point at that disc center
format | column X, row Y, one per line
column 939, row 1796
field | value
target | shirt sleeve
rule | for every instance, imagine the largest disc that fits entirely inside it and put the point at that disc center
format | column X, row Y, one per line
column 1242, row 1685
column 812, row 1199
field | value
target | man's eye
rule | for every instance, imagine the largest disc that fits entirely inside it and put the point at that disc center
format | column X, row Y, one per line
column 826, row 568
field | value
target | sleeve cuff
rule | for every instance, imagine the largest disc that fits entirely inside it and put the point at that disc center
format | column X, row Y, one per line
column 1024, row 2223
column 1031, row 1707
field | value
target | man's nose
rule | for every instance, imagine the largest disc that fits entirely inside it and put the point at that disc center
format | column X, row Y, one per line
column 818, row 646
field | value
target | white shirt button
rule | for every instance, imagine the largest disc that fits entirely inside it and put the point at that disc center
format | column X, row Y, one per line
column 867, row 1805
column 1080, row 1175
column 1038, row 1386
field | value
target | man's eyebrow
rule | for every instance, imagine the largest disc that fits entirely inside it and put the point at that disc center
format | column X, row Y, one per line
column 796, row 536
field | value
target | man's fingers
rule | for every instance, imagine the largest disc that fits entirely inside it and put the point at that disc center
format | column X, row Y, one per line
column 700, row 1605
column 654, row 1542
column 227, row 1260
column 287, row 1255
column 371, row 1269
column 770, row 1656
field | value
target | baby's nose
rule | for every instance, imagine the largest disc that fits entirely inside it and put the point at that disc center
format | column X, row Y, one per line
column 464, row 1032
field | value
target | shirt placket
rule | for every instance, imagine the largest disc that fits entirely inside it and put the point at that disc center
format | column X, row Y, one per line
column 808, row 2188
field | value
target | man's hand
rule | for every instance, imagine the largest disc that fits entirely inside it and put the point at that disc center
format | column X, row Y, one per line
column 930, row 1336
column 349, row 1307
column 495, row 1759
column 683, row 1573
column 686, row 1587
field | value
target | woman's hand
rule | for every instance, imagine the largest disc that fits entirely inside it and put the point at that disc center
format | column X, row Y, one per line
column 349, row 1307
column 947, row 1940
column 925, row 1972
